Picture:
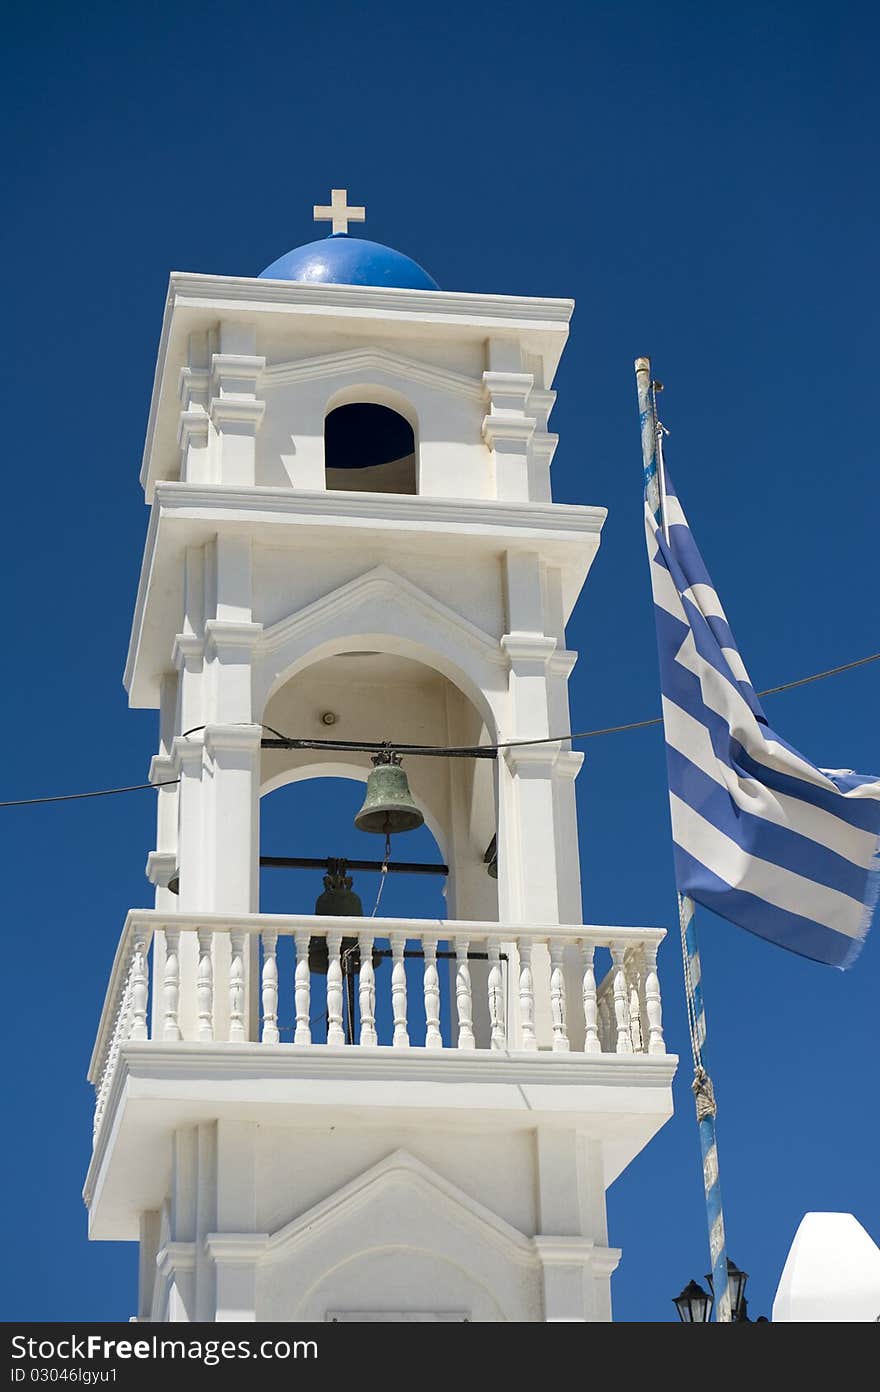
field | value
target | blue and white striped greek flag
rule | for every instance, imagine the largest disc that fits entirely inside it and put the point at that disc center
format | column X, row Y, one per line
column 762, row 836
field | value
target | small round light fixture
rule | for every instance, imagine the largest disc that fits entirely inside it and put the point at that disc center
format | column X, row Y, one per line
column 329, row 717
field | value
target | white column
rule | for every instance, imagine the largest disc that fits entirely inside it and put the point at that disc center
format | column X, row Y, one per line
column 231, row 797
column 231, row 808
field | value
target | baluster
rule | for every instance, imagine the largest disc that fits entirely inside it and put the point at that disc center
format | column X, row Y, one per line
column 632, row 960
column 139, row 987
column 606, row 1033
column 398, row 991
column 526, row 996
column 463, row 997
column 335, row 1031
column 592, row 1043
column 496, row 999
column 653, row 1006
column 205, row 985
column 433, row 1037
column 302, row 991
column 623, row 1043
column 367, row 991
column 236, row 985
column 557, row 998
column 270, row 1033
column 171, row 984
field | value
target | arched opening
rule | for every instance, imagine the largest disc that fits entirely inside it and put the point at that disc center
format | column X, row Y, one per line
column 369, row 448
column 309, row 801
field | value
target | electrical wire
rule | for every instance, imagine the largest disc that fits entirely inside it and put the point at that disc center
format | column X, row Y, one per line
column 479, row 750
column 101, row 792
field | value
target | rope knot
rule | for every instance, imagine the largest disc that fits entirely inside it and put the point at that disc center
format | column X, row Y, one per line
column 704, row 1095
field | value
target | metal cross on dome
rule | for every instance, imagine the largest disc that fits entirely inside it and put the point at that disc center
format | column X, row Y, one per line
column 338, row 211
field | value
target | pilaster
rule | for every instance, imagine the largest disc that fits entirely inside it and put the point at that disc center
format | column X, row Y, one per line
column 234, row 410
column 235, row 1257
column 507, row 430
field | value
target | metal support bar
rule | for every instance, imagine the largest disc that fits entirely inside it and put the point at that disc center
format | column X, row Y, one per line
column 370, row 747
column 400, row 867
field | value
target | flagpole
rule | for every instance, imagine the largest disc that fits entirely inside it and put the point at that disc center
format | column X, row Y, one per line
column 655, row 492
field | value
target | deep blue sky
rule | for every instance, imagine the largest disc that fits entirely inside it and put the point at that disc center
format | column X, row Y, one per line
column 702, row 180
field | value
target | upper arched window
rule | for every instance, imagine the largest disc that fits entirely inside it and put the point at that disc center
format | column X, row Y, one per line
column 369, row 449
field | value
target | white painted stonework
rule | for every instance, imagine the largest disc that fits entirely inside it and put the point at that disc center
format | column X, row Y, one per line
column 304, row 1178
column 831, row 1274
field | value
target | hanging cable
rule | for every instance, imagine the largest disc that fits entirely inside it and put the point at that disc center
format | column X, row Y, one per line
column 479, row 751
column 101, row 792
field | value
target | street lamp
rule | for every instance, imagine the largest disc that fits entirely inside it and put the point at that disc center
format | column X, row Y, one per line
column 693, row 1304
column 736, row 1285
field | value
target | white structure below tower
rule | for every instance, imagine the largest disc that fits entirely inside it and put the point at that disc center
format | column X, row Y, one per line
column 349, row 476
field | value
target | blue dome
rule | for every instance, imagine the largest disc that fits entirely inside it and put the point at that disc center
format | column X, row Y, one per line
column 343, row 260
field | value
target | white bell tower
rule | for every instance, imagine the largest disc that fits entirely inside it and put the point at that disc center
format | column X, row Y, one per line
column 348, row 471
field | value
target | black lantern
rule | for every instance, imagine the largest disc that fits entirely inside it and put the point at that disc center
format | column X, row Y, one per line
column 693, row 1304
column 736, row 1285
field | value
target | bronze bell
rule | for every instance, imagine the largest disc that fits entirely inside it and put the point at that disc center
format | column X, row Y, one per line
column 389, row 806
column 339, row 901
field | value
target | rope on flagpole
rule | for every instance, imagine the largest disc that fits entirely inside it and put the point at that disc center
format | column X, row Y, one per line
column 704, row 1095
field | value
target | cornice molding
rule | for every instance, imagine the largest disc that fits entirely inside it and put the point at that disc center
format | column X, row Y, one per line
column 563, row 1250
column 176, row 1257
column 604, row 1260
column 236, row 1249
column 223, row 636
column 234, row 410
column 186, row 648
column 160, row 867
column 428, row 305
column 532, row 760
column 232, row 739
column 161, row 767
column 561, row 663
column 569, row 763
column 501, row 425
column 528, row 647
column 563, row 518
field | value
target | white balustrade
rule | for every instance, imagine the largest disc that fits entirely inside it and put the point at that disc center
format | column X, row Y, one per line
column 622, row 1014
